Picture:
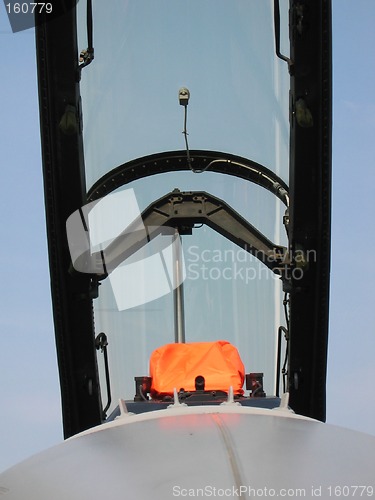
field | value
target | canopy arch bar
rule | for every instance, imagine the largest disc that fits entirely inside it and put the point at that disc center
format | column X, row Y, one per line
column 183, row 210
column 175, row 161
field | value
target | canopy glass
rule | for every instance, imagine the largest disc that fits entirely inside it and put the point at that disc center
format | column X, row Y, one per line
column 224, row 53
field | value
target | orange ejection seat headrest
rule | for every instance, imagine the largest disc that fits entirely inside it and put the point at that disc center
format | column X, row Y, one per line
column 177, row 366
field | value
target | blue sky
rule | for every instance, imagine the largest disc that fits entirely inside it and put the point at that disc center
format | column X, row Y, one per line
column 30, row 413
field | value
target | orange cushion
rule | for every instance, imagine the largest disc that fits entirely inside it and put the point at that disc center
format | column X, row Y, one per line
column 177, row 365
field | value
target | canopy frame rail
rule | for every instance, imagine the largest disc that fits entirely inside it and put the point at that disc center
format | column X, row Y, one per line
column 183, row 210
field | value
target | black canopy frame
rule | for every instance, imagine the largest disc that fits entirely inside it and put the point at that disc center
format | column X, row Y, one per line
column 309, row 224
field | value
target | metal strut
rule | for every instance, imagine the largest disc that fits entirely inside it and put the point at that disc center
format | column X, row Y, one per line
column 178, row 290
column 183, row 210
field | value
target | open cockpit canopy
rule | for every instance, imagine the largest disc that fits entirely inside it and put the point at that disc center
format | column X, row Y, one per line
column 236, row 122
column 187, row 193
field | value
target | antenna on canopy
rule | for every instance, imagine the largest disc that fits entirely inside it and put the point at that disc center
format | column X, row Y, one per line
column 184, row 96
